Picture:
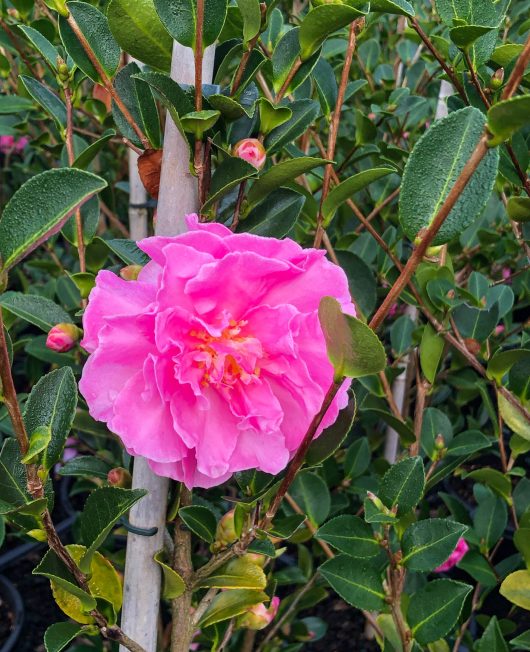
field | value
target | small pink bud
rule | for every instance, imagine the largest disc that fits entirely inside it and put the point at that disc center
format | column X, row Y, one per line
column 6, row 144
column 499, row 329
column 131, row 272
column 119, row 477
column 63, row 337
column 258, row 616
column 252, row 151
column 453, row 559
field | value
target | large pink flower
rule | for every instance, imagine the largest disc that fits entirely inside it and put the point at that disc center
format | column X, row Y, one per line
column 213, row 360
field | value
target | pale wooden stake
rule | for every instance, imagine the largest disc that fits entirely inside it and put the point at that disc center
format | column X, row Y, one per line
column 178, row 196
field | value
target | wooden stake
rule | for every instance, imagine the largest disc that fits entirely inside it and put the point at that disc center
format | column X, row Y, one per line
column 178, row 196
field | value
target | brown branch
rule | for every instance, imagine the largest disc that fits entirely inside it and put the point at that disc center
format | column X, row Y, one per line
column 294, row 69
column 518, row 71
column 182, row 631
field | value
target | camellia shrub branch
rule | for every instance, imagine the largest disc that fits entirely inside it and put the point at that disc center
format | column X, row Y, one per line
column 251, row 359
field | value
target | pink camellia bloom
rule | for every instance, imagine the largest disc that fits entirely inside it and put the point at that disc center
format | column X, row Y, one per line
column 453, row 559
column 252, row 151
column 258, row 616
column 62, row 337
column 213, row 360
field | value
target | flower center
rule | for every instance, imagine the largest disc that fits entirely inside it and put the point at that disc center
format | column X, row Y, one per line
column 227, row 359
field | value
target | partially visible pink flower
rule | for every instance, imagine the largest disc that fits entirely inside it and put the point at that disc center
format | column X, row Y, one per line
column 62, row 337
column 9, row 144
column 393, row 310
column 213, row 361
column 499, row 330
column 453, row 559
column 21, row 143
column 252, row 151
column 258, row 616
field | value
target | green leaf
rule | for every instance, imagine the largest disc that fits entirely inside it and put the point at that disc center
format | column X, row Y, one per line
column 518, row 209
column 358, row 583
column 139, row 31
column 41, row 44
column 393, row 7
column 403, row 484
column 475, row 323
column 508, row 116
column 479, row 568
column 311, row 493
column 174, row 585
column 54, row 569
column 229, row 604
column 251, row 14
column 428, row 543
column 333, row 436
column 95, row 28
column 432, row 169
column 89, row 154
column 282, row 173
column 36, row 310
column 304, row 112
column 38, row 441
column 521, row 642
column 229, row 108
column 346, row 189
column 59, row 635
column 180, row 19
column 351, row 535
column 513, row 418
column 127, row 251
column 200, row 521
column 431, row 349
column 272, row 116
column 435, row 423
column 102, row 509
column 353, row 348
column 434, row 610
column 467, row 443
column 14, row 104
column 489, row 520
column 463, row 36
column 90, row 214
column 85, row 282
column 39, row 209
column 230, row 173
column 361, row 281
column 285, row 527
column 326, row 85
column 499, row 482
column 503, row 361
column 240, row 573
column 492, row 639
column 52, row 404
column 516, row 588
column 47, row 99
column 199, row 122
column 401, row 334
column 86, row 466
column 13, row 480
column 357, row 458
column 2, row 531
column 322, row 21
column 276, row 216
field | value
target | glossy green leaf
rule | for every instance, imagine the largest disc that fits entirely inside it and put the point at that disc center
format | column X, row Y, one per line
column 276, row 216
column 322, row 21
column 475, row 323
column 434, row 610
column 230, row 173
column 357, row 458
column 86, row 466
column 431, row 349
column 229, row 604
column 140, row 32
column 479, row 568
column 401, row 7
column 36, row 310
column 102, row 510
column 51, row 405
column 468, row 442
column 489, row 520
column 508, row 116
column 282, row 173
column 435, row 423
column 41, row 44
column 271, row 116
column 49, row 101
column 304, row 113
column 521, row 642
column 86, row 157
column 427, row 544
column 516, row 588
column 432, row 169
column 95, row 28
column 287, row 526
column 200, row 521
column 180, row 19
column 311, row 493
column 127, row 251
column 401, row 334
column 348, row 188
column 492, row 639
column 251, row 14
column 353, row 348
column 333, row 436
column 499, row 482
column 351, row 535
column 229, row 108
column 356, row 582
column 503, row 361
column 174, row 585
column 199, row 122
column 14, row 104
column 39, row 209
column 90, row 214
column 403, row 484
column 518, row 209
column 59, row 635
column 240, row 573
column 326, row 85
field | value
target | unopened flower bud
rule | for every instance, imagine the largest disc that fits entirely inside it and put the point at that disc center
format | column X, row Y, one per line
column 226, row 532
column 497, row 79
column 119, row 477
column 63, row 337
column 258, row 616
column 252, row 151
column 131, row 272
column 439, row 442
column 473, row 346
column 376, row 501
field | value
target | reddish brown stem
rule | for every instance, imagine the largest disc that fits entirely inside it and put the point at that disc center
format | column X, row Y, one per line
column 294, row 69
column 518, row 71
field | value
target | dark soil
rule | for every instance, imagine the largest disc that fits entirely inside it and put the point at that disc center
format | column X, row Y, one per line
column 346, row 627
column 40, row 608
column 7, row 618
